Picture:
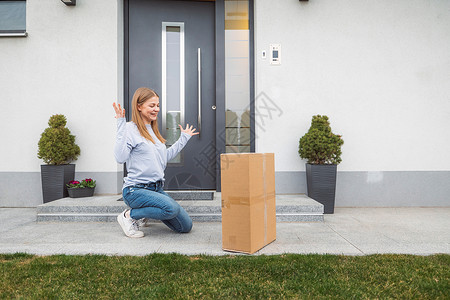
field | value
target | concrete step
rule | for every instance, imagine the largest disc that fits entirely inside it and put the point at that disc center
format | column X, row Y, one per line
column 289, row 208
column 183, row 195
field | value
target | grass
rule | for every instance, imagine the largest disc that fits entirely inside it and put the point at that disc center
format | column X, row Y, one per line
column 176, row 276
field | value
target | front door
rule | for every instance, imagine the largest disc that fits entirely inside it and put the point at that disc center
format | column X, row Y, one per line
column 171, row 50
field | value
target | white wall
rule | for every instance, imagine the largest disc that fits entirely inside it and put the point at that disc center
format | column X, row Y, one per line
column 379, row 69
column 71, row 63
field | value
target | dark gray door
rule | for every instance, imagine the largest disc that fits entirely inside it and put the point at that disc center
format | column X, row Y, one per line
column 171, row 49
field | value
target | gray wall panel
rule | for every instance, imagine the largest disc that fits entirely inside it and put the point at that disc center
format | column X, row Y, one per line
column 20, row 189
column 290, row 182
column 378, row 189
column 395, row 188
column 23, row 189
column 356, row 189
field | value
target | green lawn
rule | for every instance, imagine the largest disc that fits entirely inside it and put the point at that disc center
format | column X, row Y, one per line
column 258, row 277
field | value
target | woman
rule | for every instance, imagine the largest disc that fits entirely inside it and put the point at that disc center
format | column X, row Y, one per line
column 142, row 147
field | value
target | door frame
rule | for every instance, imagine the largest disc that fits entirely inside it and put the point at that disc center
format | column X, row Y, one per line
column 220, row 77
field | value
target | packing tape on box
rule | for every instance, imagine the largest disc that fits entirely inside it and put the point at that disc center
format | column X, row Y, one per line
column 230, row 200
column 265, row 200
column 233, row 200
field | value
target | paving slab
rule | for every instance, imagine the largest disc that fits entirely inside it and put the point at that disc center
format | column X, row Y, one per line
column 350, row 231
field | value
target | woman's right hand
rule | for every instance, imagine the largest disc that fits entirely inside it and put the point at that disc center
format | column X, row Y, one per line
column 120, row 113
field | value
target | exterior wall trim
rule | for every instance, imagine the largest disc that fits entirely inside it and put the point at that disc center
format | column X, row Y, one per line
column 220, row 85
column 379, row 188
column 24, row 189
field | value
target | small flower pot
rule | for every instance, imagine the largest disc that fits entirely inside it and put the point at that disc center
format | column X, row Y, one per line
column 80, row 192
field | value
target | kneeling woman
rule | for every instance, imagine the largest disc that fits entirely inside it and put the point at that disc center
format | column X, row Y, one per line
column 140, row 145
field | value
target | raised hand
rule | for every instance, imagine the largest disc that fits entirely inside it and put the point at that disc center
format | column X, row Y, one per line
column 189, row 130
column 120, row 113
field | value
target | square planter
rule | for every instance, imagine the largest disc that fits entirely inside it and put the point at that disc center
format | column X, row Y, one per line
column 54, row 179
column 81, row 192
column 321, row 184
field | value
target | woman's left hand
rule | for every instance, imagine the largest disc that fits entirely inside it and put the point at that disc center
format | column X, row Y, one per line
column 189, row 130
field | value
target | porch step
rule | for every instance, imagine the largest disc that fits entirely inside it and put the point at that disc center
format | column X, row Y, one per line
column 289, row 208
column 183, row 195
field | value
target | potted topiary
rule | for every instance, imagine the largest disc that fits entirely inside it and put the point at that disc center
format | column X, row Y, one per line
column 322, row 150
column 57, row 148
column 85, row 188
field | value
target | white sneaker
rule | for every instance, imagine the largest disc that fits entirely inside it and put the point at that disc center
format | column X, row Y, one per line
column 129, row 226
column 144, row 222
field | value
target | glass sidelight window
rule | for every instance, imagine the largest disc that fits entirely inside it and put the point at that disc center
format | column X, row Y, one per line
column 237, row 76
column 12, row 18
column 172, row 96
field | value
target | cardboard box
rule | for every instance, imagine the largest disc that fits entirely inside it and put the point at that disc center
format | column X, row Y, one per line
column 248, row 201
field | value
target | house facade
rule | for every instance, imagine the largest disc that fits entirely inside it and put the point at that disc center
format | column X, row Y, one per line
column 249, row 74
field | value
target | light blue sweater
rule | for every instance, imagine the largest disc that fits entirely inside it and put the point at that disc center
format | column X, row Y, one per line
column 145, row 161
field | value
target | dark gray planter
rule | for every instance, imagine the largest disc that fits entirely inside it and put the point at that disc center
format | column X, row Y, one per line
column 54, row 180
column 321, row 184
column 81, row 192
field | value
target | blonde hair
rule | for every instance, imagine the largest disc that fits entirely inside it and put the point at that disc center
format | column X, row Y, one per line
column 140, row 97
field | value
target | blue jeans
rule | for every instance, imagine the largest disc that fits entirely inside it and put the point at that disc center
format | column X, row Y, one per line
column 150, row 201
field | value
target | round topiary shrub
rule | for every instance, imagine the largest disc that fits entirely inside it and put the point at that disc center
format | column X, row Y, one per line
column 319, row 145
column 57, row 146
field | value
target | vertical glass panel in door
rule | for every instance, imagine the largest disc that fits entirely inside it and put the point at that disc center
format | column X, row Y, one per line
column 237, row 76
column 172, row 82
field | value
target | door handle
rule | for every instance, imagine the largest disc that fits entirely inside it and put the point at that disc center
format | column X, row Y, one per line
column 199, row 92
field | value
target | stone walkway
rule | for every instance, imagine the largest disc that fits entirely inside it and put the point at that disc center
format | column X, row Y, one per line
column 350, row 231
